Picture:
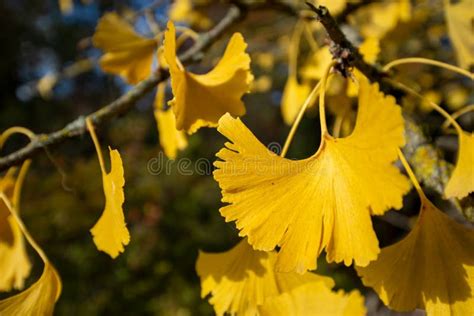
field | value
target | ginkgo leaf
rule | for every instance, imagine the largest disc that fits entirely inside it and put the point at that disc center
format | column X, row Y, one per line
column 314, row 299
column 110, row 233
column 370, row 49
column 293, row 98
column 126, row 53
column 459, row 17
column 39, row 299
column 378, row 18
column 242, row 279
column 322, row 202
column 182, row 11
column 171, row 139
column 461, row 182
column 334, row 6
column 66, row 6
column 431, row 268
column 200, row 100
column 14, row 263
column 316, row 64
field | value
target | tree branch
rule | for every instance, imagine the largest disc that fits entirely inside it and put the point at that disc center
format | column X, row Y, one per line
column 348, row 56
column 126, row 101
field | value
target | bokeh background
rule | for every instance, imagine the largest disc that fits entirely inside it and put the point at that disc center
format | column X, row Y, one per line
column 170, row 216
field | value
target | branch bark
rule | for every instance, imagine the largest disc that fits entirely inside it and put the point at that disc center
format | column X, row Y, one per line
column 126, row 101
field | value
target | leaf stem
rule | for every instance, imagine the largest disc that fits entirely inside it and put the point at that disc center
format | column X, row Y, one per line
column 90, row 127
column 18, row 220
column 435, row 106
column 297, row 121
column 15, row 130
column 419, row 60
column 457, row 114
column 19, row 184
column 322, row 94
column 411, row 175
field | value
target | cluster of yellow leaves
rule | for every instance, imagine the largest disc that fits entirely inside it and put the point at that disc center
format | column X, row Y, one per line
column 350, row 173
column 40, row 298
column 131, row 56
column 379, row 18
column 276, row 202
column 243, row 281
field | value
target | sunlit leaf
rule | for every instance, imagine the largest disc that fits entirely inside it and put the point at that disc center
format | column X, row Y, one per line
column 431, row 268
column 66, row 6
column 370, row 49
column 322, row 202
column 334, row 6
column 171, row 139
column 459, row 17
column 461, row 182
column 110, row 233
column 14, row 263
column 200, row 100
column 316, row 64
column 39, row 299
column 380, row 17
column 126, row 53
column 182, row 11
column 314, row 299
column 293, row 98
column 241, row 279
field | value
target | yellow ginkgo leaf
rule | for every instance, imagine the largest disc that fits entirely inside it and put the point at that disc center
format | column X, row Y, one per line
column 110, row 233
column 39, row 299
column 242, row 279
column 334, row 6
column 461, row 182
column 14, row 263
column 126, row 53
column 459, row 16
column 370, row 49
column 293, row 97
column 316, row 65
column 171, row 139
column 200, row 100
column 66, row 6
column 322, row 202
column 314, row 299
column 378, row 18
column 431, row 268
column 182, row 11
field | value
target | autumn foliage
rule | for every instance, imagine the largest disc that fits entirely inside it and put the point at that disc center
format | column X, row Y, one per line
column 294, row 215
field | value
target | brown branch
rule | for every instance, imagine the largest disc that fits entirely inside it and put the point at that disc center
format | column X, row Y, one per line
column 123, row 103
column 348, row 56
